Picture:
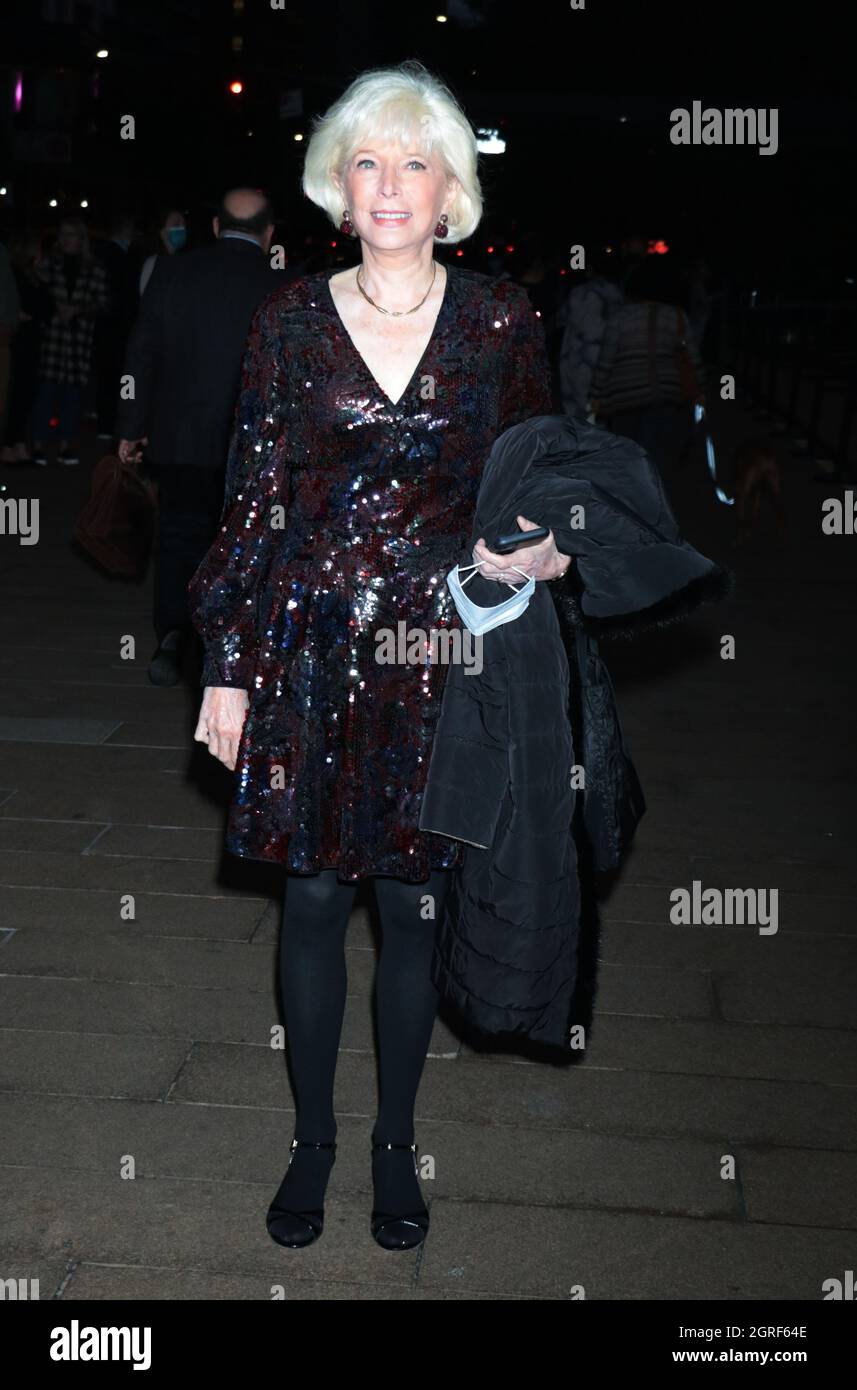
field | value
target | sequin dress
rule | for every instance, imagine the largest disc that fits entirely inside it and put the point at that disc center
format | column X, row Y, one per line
column 344, row 513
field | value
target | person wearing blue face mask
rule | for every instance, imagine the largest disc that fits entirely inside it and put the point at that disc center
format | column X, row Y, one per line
column 172, row 235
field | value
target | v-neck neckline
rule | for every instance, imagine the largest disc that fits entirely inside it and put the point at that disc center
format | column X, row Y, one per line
column 444, row 303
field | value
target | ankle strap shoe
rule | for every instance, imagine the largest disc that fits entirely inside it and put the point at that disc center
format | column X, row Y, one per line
column 295, row 1229
column 401, row 1231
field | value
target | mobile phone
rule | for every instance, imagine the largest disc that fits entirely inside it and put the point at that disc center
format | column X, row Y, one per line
column 513, row 539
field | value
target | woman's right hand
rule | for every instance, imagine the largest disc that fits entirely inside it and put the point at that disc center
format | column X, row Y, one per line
column 221, row 720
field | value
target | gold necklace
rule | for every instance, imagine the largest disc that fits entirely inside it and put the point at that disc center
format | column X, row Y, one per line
column 396, row 313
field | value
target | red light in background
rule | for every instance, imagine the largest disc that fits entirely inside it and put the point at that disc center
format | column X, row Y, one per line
column 510, row 248
column 490, row 250
column 657, row 248
column 236, row 88
column 459, row 252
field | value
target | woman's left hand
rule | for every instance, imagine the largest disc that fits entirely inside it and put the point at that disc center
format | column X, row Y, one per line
column 542, row 561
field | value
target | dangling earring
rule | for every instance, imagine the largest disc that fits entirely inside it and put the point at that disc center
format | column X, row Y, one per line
column 441, row 230
column 346, row 226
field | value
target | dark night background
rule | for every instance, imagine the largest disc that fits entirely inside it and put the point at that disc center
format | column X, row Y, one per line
column 555, row 82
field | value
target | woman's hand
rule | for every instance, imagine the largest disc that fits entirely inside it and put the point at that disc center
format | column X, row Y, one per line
column 221, row 719
column 131, row 451
column 542, row 561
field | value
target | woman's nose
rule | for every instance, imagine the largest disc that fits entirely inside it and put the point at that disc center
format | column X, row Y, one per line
column 389, row 185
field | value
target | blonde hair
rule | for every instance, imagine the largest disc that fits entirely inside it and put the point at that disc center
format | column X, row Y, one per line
column 404, row 105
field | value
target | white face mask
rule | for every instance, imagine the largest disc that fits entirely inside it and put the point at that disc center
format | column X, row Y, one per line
column 478, row 619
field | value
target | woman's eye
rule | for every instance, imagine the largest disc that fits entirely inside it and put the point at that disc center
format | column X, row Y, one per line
column 367, row 160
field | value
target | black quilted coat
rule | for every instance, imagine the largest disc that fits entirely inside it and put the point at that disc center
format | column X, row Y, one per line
column 507, row 740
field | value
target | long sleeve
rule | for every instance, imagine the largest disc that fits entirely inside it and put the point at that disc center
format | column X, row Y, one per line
column 607, row 355
column 526, row 387
column 225, row 591
column 143, row 356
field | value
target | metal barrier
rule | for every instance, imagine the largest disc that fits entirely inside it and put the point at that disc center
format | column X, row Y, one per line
column 797, row 363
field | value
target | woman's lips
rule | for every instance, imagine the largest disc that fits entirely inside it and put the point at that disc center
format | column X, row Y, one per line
column 386, row 218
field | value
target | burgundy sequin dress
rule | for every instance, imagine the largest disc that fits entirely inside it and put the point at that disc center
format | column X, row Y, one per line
column 344, row 513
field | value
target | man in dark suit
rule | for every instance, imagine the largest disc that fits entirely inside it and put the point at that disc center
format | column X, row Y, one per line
column 184, row 357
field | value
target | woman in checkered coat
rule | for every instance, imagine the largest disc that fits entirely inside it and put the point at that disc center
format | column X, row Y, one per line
column 78, row 286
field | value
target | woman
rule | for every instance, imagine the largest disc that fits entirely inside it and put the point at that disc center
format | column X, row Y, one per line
column 172, row 236
column 36, row 308
column 649, row 372
column 369, row 403
column 78, row 287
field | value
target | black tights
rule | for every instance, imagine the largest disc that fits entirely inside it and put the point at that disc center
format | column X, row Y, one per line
column 316, row 910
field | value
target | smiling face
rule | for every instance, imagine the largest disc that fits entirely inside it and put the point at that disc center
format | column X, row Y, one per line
column 394, row 194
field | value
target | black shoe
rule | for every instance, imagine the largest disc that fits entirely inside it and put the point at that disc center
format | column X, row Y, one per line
column 297, row 1228
column 404, row 1230
column 165, row 666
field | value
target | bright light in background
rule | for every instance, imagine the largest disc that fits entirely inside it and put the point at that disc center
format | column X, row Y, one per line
column 490, row 142
column 3, row 191
column 657, row 248
column 52, row 203
column 298, row 136
column 102, row 53
column 236, row 88
column 84, row 202
column 19, row 91
column 441, row 18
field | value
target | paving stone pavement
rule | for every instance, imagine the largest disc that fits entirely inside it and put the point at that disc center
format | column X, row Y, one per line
column 703, row 1145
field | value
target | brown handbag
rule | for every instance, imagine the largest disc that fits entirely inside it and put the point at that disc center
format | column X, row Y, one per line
column 117, row 524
